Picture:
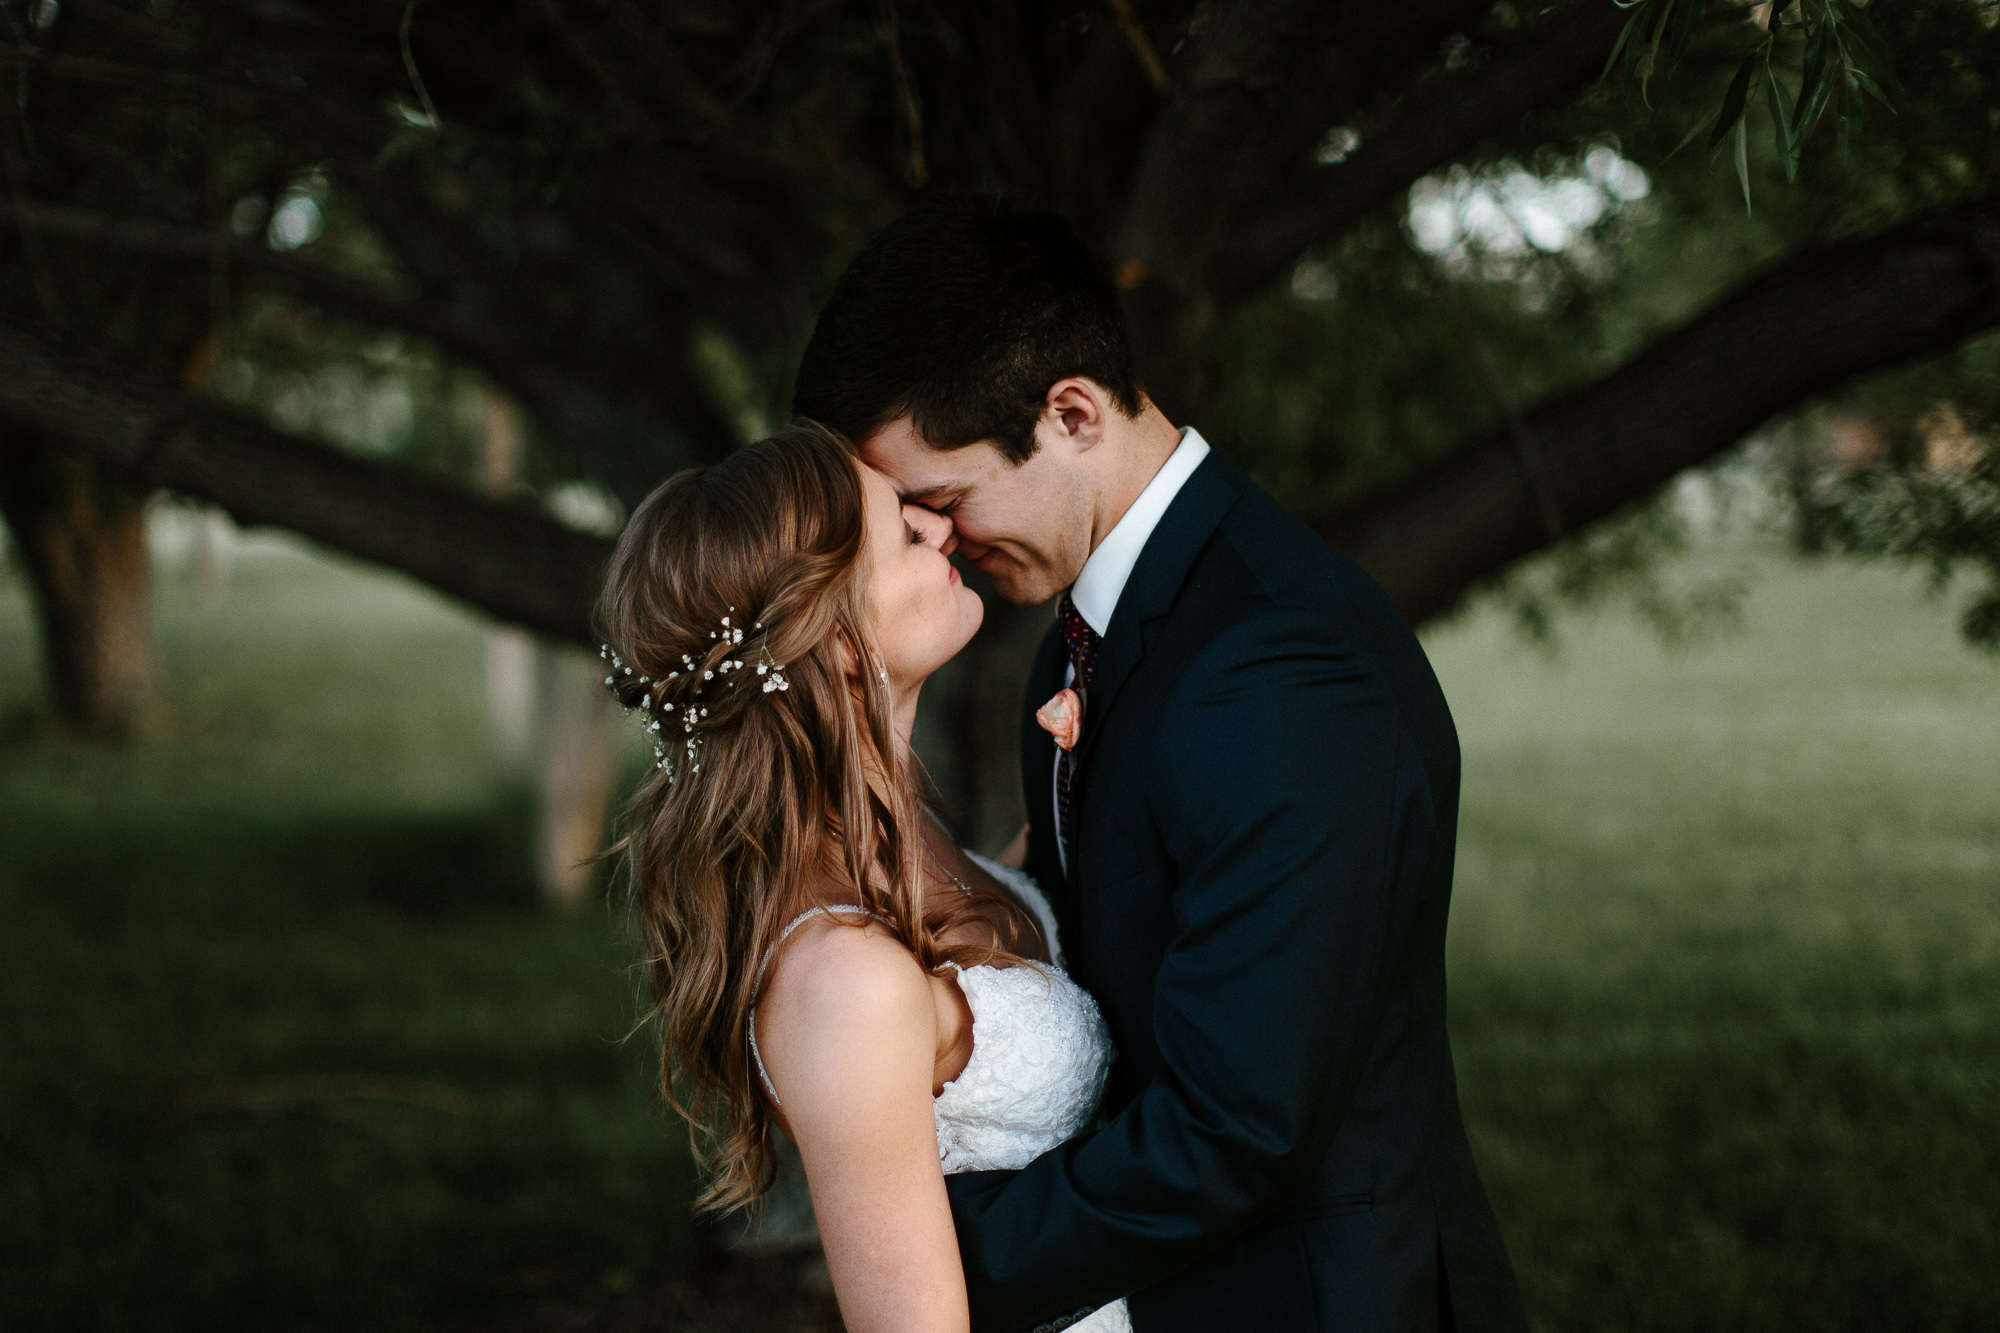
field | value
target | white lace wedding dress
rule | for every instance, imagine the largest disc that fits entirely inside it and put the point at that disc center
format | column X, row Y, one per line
column 1039, row 1057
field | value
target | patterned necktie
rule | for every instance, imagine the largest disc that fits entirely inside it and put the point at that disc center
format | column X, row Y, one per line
column 1083, row 644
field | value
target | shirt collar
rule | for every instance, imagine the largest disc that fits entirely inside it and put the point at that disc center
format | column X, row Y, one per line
column 1103, row 578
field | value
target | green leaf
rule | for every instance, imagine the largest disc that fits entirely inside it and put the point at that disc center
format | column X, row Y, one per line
column 1686, row 27
column 1780, row 99
column 1733, row 100
column 1707, row 119
column 1813, row 82
column 1743, row 162
column 399, row 144
column 1868, row 86
column 1624, row 36
column 1865, row 46
column 1850, row 121
column 1651, row 63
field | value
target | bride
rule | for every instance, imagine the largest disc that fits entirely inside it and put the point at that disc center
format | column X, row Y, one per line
column 823, row 960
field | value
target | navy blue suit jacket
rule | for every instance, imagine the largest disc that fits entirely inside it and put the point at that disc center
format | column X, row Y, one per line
column 1266, row 812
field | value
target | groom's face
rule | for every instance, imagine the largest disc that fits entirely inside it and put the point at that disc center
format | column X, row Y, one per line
column 1025, row 526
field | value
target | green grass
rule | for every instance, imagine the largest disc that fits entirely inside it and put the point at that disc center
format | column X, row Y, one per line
column 1725, row 961
column 316, row 875
column 1725, row 967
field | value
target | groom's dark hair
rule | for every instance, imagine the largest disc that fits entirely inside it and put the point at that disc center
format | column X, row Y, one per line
column 962, row 314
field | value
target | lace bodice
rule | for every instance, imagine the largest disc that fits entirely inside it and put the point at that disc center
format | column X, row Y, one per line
column 1039, row 1058
column 1040, row 1053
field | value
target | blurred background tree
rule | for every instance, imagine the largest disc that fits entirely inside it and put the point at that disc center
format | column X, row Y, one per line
column 1458, row 280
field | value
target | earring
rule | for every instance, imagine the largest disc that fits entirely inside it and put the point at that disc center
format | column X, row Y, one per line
column 883, row 672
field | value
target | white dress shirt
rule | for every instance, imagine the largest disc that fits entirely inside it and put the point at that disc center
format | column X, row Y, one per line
column 1104, row 575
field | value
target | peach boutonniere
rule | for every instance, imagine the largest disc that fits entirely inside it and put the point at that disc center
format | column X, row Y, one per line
column 1062, row 718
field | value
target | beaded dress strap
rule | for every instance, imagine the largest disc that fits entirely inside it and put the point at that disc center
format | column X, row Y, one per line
column 845, row 909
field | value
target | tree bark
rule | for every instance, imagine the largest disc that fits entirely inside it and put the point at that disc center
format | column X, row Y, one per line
column 81, row 529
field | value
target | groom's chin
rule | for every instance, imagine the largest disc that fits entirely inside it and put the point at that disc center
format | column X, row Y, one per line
column 1016, row 581
column 1023, row 587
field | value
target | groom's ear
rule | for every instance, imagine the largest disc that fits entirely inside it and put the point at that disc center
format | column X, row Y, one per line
column 1075, row 411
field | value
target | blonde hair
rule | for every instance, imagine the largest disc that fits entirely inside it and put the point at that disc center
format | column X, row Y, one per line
column 796, row 788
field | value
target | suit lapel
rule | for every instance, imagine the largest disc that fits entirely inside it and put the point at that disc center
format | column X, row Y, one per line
column 1156, row 580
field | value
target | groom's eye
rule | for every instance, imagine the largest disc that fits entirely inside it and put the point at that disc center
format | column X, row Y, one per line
column 916, row 538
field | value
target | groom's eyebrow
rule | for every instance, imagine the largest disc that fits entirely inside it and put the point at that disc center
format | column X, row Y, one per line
column 928, row 496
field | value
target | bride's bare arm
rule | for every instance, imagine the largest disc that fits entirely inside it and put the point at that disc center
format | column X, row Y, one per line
column 849, row 1030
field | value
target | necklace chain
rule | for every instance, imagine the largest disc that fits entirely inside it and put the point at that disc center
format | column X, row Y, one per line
column 950, row 878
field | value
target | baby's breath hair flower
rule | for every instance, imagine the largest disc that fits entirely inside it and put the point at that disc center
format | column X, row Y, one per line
column 650, row 699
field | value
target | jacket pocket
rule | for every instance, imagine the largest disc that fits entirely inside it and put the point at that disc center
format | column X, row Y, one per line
column 1330, row 1205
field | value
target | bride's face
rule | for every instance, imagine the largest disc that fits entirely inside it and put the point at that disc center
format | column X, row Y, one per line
column 923, row 611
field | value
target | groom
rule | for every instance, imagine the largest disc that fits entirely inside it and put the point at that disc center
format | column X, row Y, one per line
column 1249, row 849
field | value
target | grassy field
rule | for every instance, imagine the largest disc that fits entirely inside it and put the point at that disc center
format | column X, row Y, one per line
column 286, row 1045
column 1726, row 963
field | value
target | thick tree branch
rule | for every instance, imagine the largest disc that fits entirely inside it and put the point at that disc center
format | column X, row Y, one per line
column 1816, row 319
column 552, row 377
column 509, row 560
column 1314, row 204
column 1260, row 83
column 1255, row 92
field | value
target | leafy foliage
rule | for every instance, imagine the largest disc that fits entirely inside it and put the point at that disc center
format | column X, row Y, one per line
column 1946, row 519
column 622, row 217
column 1839, row 56
column 1634, row 562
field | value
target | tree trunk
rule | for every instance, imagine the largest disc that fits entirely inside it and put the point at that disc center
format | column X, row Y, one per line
column 81, row 529
column 576, row 755
column 510, row 650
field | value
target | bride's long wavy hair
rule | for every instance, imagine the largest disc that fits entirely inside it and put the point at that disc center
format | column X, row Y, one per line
column 763, row 796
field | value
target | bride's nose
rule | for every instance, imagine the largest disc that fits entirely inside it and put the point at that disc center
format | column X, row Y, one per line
column 937, row 530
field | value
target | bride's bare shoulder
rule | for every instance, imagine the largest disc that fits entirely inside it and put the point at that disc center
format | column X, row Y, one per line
column 837, row 973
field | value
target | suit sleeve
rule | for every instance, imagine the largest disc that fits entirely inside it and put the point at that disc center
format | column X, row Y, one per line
column 1292, row 804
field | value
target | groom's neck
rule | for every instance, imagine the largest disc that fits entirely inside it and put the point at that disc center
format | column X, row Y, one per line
column 1140, row 447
